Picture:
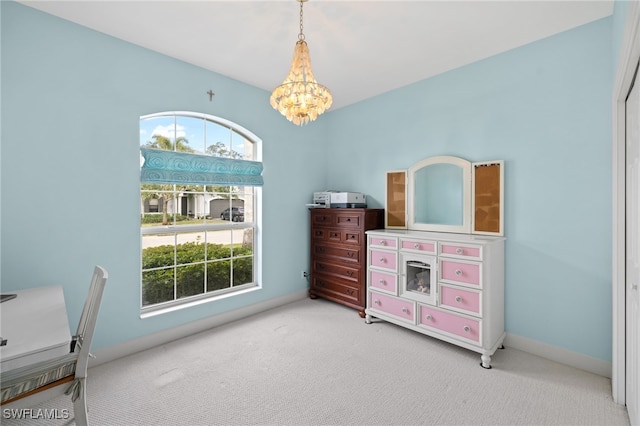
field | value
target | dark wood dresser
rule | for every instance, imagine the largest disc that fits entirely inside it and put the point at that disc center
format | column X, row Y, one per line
column 339, row 254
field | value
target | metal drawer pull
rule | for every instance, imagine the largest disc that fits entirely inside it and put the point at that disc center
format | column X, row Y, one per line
column 416, row 246
column 383, row 242
column 383, row 282
column 458, row 299
column 428, row 317
column 376, row 302
column 459, row 250
column 405, row 310
column 383, row 260
column 459, row 272
column 466, row 328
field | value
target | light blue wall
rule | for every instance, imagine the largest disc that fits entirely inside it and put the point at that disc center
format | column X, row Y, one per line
column 620, row 11
column 71, row 99
column 545, row 109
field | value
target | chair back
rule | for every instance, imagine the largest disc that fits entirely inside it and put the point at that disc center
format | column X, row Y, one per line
column 87, row 324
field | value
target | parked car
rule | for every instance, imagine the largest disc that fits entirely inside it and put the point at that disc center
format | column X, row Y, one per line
column 236, row 214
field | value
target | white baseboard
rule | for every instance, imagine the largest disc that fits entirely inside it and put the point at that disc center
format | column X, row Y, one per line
column 561, row 355
column 120, row 350
column 103, row 355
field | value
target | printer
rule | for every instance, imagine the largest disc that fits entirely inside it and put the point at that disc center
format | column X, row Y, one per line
column 339, row 199
column 348, row 200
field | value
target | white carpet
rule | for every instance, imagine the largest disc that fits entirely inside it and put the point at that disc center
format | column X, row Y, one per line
column 314, row 362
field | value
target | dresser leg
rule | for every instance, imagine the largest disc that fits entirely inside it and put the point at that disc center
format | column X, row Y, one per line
column 361, row 313
column 486, row 361
column 367, row 319
column 312, row 296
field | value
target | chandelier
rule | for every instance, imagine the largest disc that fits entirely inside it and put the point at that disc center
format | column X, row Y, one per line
column 300, row 98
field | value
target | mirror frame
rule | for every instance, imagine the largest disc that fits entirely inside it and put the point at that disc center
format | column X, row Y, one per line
column 465, row 227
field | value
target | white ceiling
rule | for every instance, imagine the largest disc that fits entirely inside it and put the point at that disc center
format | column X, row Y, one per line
column 359, row 48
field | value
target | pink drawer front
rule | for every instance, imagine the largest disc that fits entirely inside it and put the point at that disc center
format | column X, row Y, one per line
column 399, row 308
column 468, row 273
column 422, row 246
column 374, row 240
column 461, row 251
column 450, row 323
column 383, row 282
column 384, row 259
column 460, row 300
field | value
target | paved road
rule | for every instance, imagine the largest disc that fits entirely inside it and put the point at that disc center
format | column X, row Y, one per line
column 216, row 237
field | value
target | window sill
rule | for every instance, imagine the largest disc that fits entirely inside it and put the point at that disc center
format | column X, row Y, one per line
column 190, row 304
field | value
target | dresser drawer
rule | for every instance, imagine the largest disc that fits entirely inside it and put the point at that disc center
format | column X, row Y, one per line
column 418, row 245
column 344, row 236
column 399, row 308
column 349, row 220
column 384, row 259
column 321, row 218
column 337, row 289
column 461, row 251
column 461, row 272
column 384, row 242
column 461, row 300
column 339, row 271
column 347, row 254
column 383, row 282
column 451, row 323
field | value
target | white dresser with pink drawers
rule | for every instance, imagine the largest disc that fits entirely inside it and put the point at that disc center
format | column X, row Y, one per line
column 448, row 286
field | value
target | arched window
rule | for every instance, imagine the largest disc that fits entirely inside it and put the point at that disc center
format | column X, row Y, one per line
column 200, row 200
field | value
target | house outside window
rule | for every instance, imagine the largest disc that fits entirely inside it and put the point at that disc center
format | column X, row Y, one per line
column 199, row 204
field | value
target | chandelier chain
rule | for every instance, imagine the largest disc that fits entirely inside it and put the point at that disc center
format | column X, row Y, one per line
column 301, row 35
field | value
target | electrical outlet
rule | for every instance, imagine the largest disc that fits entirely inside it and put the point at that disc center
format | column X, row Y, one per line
column 305, row 274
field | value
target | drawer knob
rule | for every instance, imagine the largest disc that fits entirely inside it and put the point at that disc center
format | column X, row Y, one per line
column 466, row 328
column 459, row 250
column 416, row 246
column 383, row 260
column 383, row 282
column 405, row 310
column 459, row 272
column 428, row 317
column 458, row 299
column 376, row 302
column 383, row 242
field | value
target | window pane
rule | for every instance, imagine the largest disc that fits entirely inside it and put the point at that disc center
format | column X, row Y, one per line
column 190, row 280
column 242, row 146
column 157, row 204
column 157, row 132
column 218, row 275
column 157, row 286
column 218, row 139
column 190, row 134
column 242, row 270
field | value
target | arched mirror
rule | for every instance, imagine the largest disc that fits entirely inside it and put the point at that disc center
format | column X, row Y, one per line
column 439, row 195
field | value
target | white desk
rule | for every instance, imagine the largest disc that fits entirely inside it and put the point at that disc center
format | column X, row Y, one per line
column 35, row 326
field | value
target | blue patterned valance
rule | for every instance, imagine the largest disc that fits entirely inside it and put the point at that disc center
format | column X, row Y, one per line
column 162, row 166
